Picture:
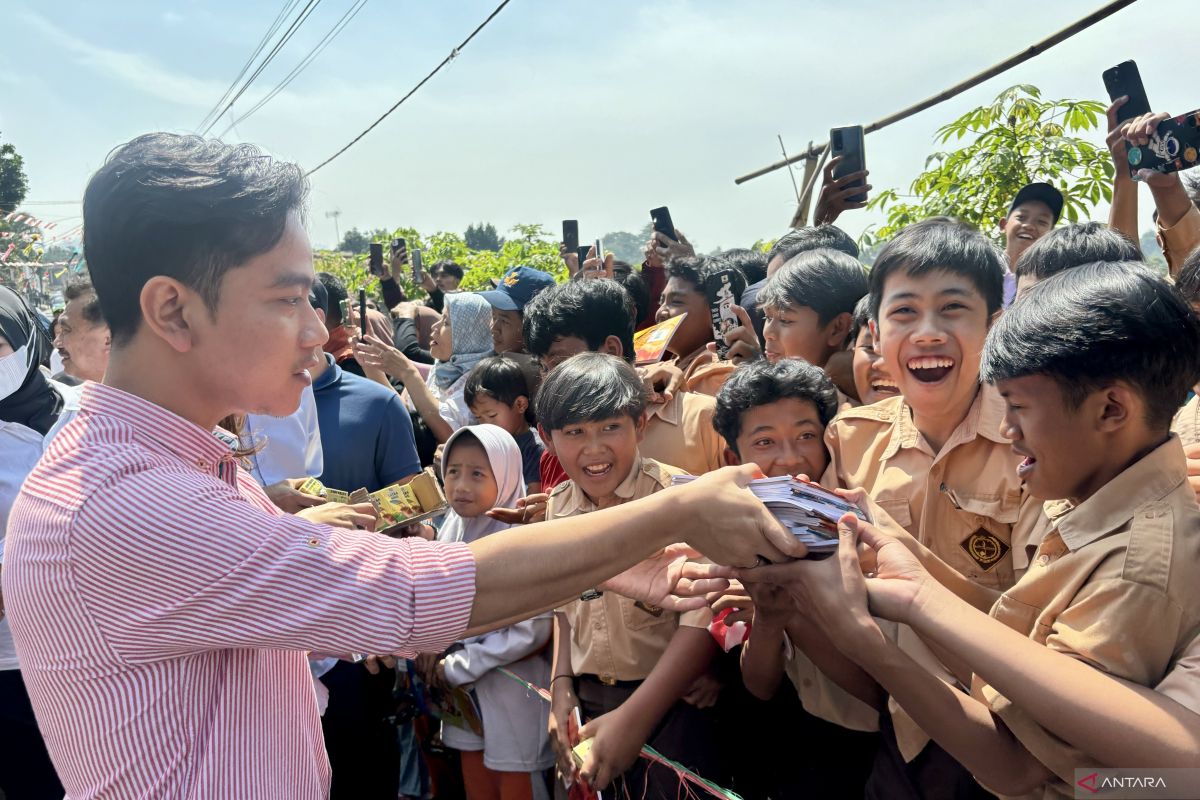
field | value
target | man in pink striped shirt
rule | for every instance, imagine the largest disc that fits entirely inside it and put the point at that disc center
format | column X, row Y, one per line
column 160, row 604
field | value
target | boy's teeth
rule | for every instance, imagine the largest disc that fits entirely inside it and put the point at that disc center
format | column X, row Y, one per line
column 596, row 469
column 930, row 362
column 884, row 383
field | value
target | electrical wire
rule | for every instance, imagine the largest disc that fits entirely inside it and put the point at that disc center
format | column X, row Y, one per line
column 308, row 59
column 453, row 55
column 305, row 13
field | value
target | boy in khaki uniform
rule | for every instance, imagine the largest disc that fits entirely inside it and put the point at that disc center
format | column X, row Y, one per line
column 1092, row 364
column 623, row 663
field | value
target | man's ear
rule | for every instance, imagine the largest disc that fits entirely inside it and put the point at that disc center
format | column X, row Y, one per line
column 169, row 309
column 613, row 347
column 838, row 329
column 875, row 346
column 1117, row 406
column 521, row 404
column 640, row 426
column 1002, row 223
column 547, row 440
column 731, row 458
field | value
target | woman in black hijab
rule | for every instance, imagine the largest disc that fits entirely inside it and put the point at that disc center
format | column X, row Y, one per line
column 26, row 395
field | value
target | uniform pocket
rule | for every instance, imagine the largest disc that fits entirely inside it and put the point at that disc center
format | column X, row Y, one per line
column 639, row 616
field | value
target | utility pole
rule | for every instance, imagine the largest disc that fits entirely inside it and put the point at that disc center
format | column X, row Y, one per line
column 335, row 214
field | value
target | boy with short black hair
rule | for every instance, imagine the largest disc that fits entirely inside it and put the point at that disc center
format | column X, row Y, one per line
column 1034, row 212
column 684, row 293
column 623, row 663
column 872, row 381
column 1092, row 363
column 1071, row 246
column 498, row 394
column 508, row 300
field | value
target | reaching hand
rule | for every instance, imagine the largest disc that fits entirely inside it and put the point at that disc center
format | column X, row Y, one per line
column 655, row 579
column 1137, row 132
column 661, row 248
column 562, row 738
column 662, row 381
column 836, row 192
column 373, row 663
column 360, row 516
column 594, row 267
column 742, row 340
column 570, row 258
column 287, row 496
column 615, row 746
column 529, row 509
column 371, row 353
column 731, row 525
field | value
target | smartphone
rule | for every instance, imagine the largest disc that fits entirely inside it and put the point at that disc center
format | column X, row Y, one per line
column 1124, row 80
column 344, row 310
column 848, row 143
column 362, row 310
column 582, row 252
column 662, row 222
column 376, row 260
column 571, row 234
column 723, row 289
column 1174, row 146
column 400, row 248
column 418, row 267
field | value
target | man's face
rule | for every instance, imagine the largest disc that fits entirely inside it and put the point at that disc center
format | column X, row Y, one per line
column 255, row 352
column 506, row 332
column 1060, row 444
column 445, row 281
column 562, row 348
column 83, row 345
column 795, row 332
column 782, row 438
column 681, row 296
column 871, row 379
column 598, row 456
column 1024, row 225
column 931, row 330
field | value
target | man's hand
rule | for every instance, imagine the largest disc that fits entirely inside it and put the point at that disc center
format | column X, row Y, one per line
column 562, row 705
column 359, row 516
column 286, row 495
column 730, row 525
column 656, row 579
column 836, row 192
column 595, row 267
column 529, row 509
column 1138, row 132
column 570, row 258
column 662, row 381
column 373, row 663
column 661, row 248
column 773, row 606
column 616, row 742
column 1116, row 140
column 735, row 599
column 742, row 340
column 373, row 354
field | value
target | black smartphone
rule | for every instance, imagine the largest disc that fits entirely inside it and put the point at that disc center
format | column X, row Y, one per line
column 362, row 310
column 723, row 289
column 848, row 143
column 1124, row 80
column 418, row 267
column 376, row 260
column 400, row 248
column 582, row 251
column 1174, row 146
column 662, row 222
column 571, row 234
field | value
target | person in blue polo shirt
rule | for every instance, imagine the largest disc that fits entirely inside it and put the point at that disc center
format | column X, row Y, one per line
column 508, row 300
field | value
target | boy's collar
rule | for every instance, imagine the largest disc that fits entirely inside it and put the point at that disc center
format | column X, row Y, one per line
column 1147, row 480
column 670, row 412
column 577, row 500
column 983, row 418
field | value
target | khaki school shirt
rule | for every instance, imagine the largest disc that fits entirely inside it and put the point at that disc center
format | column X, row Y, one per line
column 1186, row 424
column 613, row 637
column 1112, row 584
column 1182, row 683
column 681, row 433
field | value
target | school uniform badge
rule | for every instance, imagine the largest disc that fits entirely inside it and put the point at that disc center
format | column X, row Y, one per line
column 985, row 548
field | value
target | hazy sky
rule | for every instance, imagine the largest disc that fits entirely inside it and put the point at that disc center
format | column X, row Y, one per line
column 592, row 110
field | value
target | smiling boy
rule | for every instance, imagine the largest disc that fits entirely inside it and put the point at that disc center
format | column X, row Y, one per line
column 1034, row 211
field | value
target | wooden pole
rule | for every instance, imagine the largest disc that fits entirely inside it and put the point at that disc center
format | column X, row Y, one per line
column 959, row 88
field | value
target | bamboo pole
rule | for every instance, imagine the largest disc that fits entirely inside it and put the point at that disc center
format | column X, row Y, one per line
column 1033, row 50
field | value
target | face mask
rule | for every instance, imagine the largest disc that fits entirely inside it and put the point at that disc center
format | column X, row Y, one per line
column 13, row 370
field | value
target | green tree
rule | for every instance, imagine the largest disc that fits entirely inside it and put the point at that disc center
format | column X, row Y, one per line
column 13, row 183
column 1017, row 139
column 355, row 241
column 627, row 246
column 483, row 237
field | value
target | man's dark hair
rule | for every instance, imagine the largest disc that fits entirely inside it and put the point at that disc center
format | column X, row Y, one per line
column 337, row 293
column 1096, row 324
column 827, row 281
column 591, row 310
column 941, row 244
column 185, row 207
column 589, row 387
column 1072, row 245
column 501, row 379
column 635, row 284
column 1188, row 280
column 862, row 317
column 697, row 269
column 761, row 383
column 448, row 267
column 812, row 237
column 752, row 263
column 90, row 310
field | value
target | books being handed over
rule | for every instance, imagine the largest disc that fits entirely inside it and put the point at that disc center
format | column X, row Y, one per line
column 810, row 511
column 650, row 344
column 397, row 505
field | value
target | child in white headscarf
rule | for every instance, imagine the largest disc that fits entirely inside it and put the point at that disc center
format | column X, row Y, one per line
column 481, row 468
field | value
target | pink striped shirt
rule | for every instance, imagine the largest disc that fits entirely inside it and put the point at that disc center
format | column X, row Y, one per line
column 162, row 606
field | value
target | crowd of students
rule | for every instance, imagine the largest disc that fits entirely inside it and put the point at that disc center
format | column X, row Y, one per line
column 1019, row 425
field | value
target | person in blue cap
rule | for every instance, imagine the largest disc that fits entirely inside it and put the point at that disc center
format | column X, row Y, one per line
column 508, row 300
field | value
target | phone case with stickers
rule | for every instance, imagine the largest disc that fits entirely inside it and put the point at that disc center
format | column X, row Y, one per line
column 1174, row 146
column 723, row 289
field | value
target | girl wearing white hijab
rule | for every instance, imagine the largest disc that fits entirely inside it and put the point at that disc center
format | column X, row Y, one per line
column 481, row 468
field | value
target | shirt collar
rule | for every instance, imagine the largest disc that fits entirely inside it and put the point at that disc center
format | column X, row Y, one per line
column 1149, row 479
column 575, row 501
column 670, row 412
column 983, row 419
column 163, row 430
column 331, row 375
